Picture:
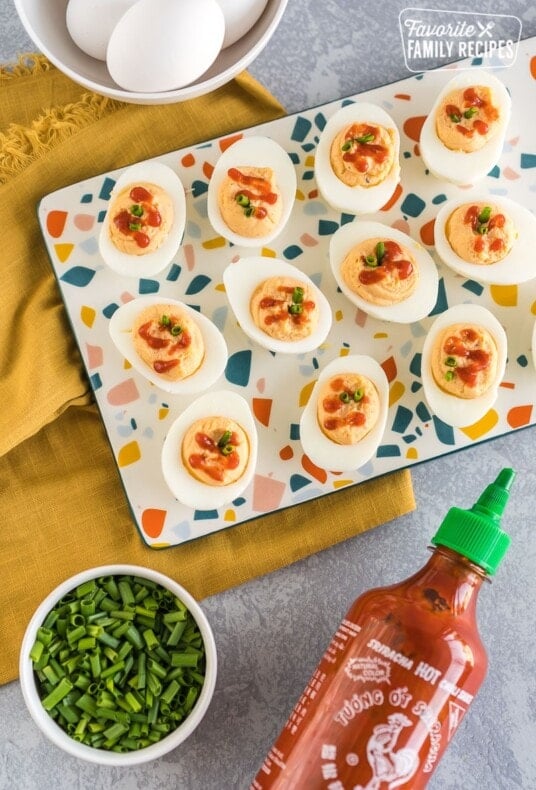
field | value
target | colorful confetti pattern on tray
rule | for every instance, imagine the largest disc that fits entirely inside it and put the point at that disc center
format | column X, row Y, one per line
column 137, row 415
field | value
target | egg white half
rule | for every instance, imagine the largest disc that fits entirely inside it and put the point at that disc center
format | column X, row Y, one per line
column 460, row 412
column 153, row 262
column 242, row 278
column 255, row 151
column 534, row 345
column 355, row 200
column 518, row 266
column 214, row 361
column 316, row 445
column 460, row 167
column 419, row 304
column 191, row 492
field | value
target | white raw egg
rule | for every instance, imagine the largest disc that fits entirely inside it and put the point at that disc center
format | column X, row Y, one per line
column 240, row 16
column 187, row 489
column 451, row 409
column 155, row 260
column 90, row 23
column 326, row 453
column 517, row 266
column 418, row 304
column 215, row 348
column 356, row 199
column 161, row 45
column 458, row 166
column 242, row 278
column 256, row 152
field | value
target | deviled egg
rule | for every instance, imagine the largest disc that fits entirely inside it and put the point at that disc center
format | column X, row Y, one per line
column 144, row 223
column 357, row 164
column 463, row 363
column 463, row 135
column 277, row 305
column 172, row 345
column 251, row 191
column 210, row 452
column 344, row 419
column 487, row 238
column 383, row 271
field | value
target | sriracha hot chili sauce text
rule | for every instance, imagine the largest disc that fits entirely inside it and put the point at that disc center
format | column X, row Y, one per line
column 399, row 674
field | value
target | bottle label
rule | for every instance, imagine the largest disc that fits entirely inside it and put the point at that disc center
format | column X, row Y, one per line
column 374, row 715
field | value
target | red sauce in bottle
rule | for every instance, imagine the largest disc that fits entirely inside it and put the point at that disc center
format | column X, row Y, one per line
column 400, row 672
column 392, row 262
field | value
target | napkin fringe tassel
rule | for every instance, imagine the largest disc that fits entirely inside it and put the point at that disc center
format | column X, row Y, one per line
column 21, row 145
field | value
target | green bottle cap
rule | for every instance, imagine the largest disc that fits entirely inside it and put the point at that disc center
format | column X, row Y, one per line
column 476, row 533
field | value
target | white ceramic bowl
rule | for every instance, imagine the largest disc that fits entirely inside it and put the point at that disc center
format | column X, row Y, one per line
column 91, row 754
column 45, row 24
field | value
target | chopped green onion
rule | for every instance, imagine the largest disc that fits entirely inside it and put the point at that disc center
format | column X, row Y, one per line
column 165, row 320
column 137, row 210
column 297, row 294
column 449, row 375
column 455, row 118
column 242, row 199
column 485, row 214
column 134, row 226
column 346, row 146
column 176, row 329
column 451, row 362
column 295, row 309
column 224, row 439
column 358, row 395
column 345, row 397
column 227, row 449
column 130, row 673
column 370, row 260
column 470, row 112
column 249, row 211
column 482, row 230
column 366, row 138
column 380, row 251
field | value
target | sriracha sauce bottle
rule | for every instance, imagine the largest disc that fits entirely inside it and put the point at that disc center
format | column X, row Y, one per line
column 400, row 672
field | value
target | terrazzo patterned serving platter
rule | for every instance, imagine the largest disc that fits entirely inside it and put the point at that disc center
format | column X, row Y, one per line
column 137, row 414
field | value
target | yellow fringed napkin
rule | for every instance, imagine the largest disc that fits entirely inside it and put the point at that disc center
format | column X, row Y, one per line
column 63, row 506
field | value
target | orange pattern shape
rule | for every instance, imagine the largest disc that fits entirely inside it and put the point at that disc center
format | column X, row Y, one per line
column 312, row 469
column 389, row 368
column 533, row 67
column 56, row 223
column 225, row 142
column 413, row 126
column 286, row 453
column 518, row 416
column 262, row 408
column 427, row 233
column 152, row 521
column 392, row 200
column 188, row 160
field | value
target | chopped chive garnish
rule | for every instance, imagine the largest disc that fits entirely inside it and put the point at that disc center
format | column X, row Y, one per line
column 134, row 225
column 249, row 211
column 225, row 438
column 485, row 214
column 124, row 693
column 370, row 260
column 346, row 146
column 366, row 138
column 449, row 375
column 470, row 112
column 455, row 118
column 242, row 199
column 137, row 210
column 380, row 251
column 451, row 362
column 165, row 320
column 227, row 449
column 295, row 309
column 358, row 395
column 345, row 397
column 297, row 295
column 176, row 329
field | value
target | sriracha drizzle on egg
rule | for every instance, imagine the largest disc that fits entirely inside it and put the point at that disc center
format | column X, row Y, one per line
column 214, row 457
column 391, row 262
column 142, row 214
column 165, row 334
column 465, row 346
column 257, row 189
column 360, row 147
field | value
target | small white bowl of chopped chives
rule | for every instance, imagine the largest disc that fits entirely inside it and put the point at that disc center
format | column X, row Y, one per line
column 118, row 665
